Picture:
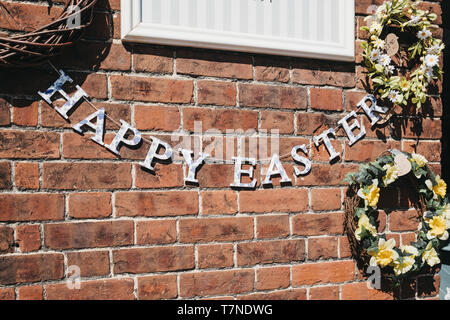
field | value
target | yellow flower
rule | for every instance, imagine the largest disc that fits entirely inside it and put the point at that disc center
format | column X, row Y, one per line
column 385, row 255
column 446, row 212
column 404, row 85
column 430, row 255
column 409, row 249
column 439, row 189
column 439, row 226
column 419, row 160
column 364, row 222
column 372, row 195
column 376, row 28
column 401, row 267
column 391, row 174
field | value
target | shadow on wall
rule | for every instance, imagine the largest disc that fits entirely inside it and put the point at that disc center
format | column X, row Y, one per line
column 446, row 92
column 86, row 55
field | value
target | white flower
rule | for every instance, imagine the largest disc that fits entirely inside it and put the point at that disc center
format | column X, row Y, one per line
column 385, row 60
column 414, row 19
column 430, row 255
column 379, row 43
column 424, row 34
column 435, row 49
column 375, row 55
column 431, row 60
column 410, row 249
column 393, row 96
column 389, row 70
column 376, row 28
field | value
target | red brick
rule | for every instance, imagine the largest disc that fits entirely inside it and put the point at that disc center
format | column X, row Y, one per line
column 432, row 150
column 315, row 123
column 320, row 72
column 219, row 202
column 7, row 294
column 216, row 93
column 94, row 84
column 6, row 239
column 218, row 176
column 28, row 17
column 166, row 176
column 321, row 153
column 365, row 6
column 219, row 119
column 214, row 65
column 215, row 256
column 216, row 229
column 156, row 232
column 28, row 237
column 427, row 129
column 323, row 272
column 263, row 252
column 273, row 278
column 290, row 294
column 216, row 282
column 150, row 59
column 30, row 293
column 269, row 96
column 5, row 117
column 151, row 89
column 365, row 150
column 273, row 226
column 118, row 58
column 344, row 247
column 324, row 293
column 325, row 199
column 29, row 144
column 110, row 289
column 26, row 175
column 31, row 268
column 157, row 287
column 156, row 259
column 25, row 113
column 277, row 120
column 318, row 224
column 352, row 98
column 283, row 200
column 91, row 263
column 86, row 176
column 326, row 175
column 432, row 7
column 360, row 291
column 428, row 286
column 5, row 175
column 322, row 248
column 89, row 234
column 90, row 205
column 157, row 118
column 403, row 220
column 31, row 207
column 326, row 99
column 267, row 69
column 76, row 146
column 153, row 204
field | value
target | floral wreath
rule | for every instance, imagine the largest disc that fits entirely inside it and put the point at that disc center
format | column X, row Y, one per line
column 396, row 263
column 424, row 54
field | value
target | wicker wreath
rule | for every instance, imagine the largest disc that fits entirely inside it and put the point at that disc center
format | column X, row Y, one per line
column 371, row 248
column 48, row 41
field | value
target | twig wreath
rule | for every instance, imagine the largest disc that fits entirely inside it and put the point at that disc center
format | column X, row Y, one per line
column 48, row 41
column 422, row 65
column 371, row 247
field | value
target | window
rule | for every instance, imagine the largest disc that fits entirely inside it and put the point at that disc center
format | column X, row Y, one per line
column 321, row 29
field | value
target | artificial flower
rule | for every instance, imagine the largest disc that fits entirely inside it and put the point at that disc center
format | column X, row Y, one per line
column 435, row 49
column 371, row 195
column 414, row 20
column 409, row 249
column 404, row 85
column 419, row 159
column 446, row 212
column 389, row 70
column 439, row 226
column 364, row 222
column 375, row 55
column 391, row 174
column 430, row 255
column 424, row 34
column 379, row 44
column 403, row 265
column 376, row 28
column 439, row 189
column 384, row 60
column 393, row 96
column 431, row 60
column 385, row 254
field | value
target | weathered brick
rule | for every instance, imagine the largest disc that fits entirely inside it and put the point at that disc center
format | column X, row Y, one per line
column 219, row 119
column 25, row 113
column 283, row 200
column 322, row 248
column 215, row 256
column 157, row 287
column 5, row 175
column 28, row 237
column 325, row 199
column 324, row 293
column 156, row 232
column 403, row 220
column 277, row 120
column 318, row 224
column 31, row 207
column 157, row 118
column 29, row 144
column 290, row 294
column 89, row 234
column 216, row 93
column 30, row 293
column 6, row 239
column 151, row 59
column 5, row 114
column 219, row 202
column 156, row 259
column 166, row 176
column 216, row 282
column 326, row 99
column 323, row 272
column 366, row 150
column 91, row 263
column 31, row 268
column 273, row 278
column 216, row 229
column 90, row 205
column 153, row 204
column 263, row 252
column 273, row 226
column 26, row 175
column 108, row 289
column 151, row 89
column 86, row 176
column 267, row 69
column 360, row 291
column 7, row 294
column 269, row 96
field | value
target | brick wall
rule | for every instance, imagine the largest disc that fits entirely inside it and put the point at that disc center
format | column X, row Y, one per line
column 135, row 235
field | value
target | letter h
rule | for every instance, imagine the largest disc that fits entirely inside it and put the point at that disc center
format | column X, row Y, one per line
column 57, row 87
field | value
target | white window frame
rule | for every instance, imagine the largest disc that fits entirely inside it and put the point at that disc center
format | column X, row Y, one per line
column 133, row 29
